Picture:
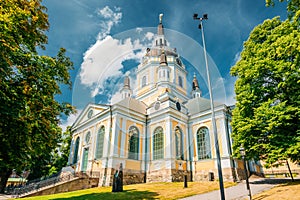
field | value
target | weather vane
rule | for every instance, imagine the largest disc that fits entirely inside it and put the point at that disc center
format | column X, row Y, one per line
column 160, row 18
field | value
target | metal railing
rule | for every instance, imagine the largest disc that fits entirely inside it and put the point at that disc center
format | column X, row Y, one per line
column 37, row 184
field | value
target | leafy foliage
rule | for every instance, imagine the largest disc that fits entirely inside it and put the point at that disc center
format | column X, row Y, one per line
column 293, row 7
column 267, row 113
column 61, row 154
column 29, row 124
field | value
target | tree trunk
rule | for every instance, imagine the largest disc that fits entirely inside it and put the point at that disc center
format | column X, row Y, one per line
column 287, row 163
column 3, row 179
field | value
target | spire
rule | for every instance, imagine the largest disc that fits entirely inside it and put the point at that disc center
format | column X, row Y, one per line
column 160, row 27
column 196, row 92
column 195, row 82
column 126, row 91
column 126, row 82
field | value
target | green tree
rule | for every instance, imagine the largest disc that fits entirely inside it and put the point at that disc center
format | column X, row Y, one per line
column 293, row 7
column 266, row 117
column 29, row 123
column 60, row 155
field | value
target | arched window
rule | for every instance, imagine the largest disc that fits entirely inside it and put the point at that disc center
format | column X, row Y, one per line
column 133, row 143
column 144, row 81
column 75, row 156
column 180, row 81
column 158, row 143
column 179, row 144
column 203, row 144
column 100, row 141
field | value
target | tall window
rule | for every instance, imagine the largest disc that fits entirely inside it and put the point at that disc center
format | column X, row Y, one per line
column 100, row 141
column 133, row 144
column 180, row 81
column 75, row 156
column 158, row 143
column 179, row 144
column 144, row 81
column 203, row 144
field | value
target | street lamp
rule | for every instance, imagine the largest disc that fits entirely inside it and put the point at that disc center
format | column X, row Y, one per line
column 204, row 17
column 243, row 153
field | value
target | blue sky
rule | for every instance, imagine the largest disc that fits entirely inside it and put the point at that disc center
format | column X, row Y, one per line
column 107, row 38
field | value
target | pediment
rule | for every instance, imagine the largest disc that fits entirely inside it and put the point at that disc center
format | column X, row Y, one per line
column 89, row 112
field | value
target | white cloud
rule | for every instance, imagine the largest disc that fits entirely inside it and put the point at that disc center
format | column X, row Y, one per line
column 110, row 18
column 230, row 94
column 139, row 30
column 115, row 98
column 104, row 60
column 149, row 35
column 237, row 57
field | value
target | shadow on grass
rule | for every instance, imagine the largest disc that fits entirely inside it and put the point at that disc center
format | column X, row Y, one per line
column 126, row 194
column 282, row 188
column 275, row 181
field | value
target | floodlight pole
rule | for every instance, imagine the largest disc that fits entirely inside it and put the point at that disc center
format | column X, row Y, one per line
column 222, row 193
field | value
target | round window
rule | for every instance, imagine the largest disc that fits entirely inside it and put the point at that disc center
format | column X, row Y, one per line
column 90, row 114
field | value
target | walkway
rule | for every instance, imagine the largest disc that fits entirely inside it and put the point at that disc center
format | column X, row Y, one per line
column 4, row 196
column 240, row 191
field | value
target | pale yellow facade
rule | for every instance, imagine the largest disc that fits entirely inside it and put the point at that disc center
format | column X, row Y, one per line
column 160, row 133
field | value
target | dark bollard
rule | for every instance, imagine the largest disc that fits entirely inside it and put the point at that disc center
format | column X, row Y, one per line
column 185, row 181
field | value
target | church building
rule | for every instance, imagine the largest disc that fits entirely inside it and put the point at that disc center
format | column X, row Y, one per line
column 160, row 133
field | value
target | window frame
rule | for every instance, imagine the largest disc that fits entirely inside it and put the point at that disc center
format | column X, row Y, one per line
column 100, row 143
column 76, row 150
column 180, row 81
column 179, row 153
column 158, row 143
column 203, row 143
column 144, row 81
column 133, row 137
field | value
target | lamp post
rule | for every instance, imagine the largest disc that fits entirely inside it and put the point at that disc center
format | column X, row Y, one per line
column 204, row 17
column 243, row 153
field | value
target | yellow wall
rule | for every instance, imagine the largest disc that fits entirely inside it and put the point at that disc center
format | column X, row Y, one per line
column 133, row 164
column 205, row 165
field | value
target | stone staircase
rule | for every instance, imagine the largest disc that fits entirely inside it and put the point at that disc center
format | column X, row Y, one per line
column 63, row 183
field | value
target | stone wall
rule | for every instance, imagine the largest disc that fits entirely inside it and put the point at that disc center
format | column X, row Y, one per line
column 164, row 175
column 178, row 175
column 129, row 177
column 73, row 185
column 133, row 177
column 229, row 174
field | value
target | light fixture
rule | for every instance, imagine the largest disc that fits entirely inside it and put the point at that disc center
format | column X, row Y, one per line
column 242, row 151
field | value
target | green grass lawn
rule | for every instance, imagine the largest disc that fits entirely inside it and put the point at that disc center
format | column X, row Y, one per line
column 139, row 191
